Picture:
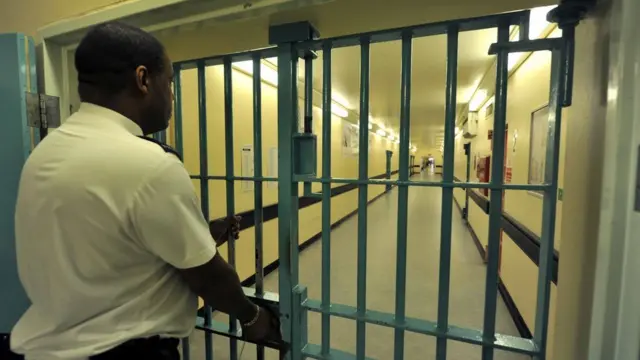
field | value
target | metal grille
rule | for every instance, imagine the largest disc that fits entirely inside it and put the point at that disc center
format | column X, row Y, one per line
column 296, row 149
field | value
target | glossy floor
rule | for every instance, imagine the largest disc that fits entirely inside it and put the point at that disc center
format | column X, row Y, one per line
column 467, row 282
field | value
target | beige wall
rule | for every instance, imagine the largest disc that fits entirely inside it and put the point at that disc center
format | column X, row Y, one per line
column 528, row 90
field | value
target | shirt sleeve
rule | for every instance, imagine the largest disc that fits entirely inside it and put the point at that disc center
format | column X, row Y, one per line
column 168, row 220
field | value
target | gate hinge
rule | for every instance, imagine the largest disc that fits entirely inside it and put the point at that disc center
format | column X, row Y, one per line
column 43, row 111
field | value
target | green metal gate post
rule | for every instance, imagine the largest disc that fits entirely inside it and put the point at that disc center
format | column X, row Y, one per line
column 495, row 211
column 447, row 193
column 389, row 154
column 285, row 37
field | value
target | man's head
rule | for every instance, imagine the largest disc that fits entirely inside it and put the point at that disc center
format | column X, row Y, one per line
column 127, row 70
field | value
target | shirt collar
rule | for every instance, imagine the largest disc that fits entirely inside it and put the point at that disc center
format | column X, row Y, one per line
column 115, row 117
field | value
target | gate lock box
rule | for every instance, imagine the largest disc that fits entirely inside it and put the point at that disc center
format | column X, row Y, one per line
column 305, row 151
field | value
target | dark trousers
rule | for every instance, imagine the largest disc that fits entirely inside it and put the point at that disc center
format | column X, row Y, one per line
column 154, row 348
column 5, row 349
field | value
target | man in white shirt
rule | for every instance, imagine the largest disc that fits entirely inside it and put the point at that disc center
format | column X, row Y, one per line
column 112, row 247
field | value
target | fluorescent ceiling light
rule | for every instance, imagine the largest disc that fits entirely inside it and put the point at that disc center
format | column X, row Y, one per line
column 391, row 137
column 477, row 100
column 340, row 99
column 381, row 132
column 267, row 74
column 338, row 110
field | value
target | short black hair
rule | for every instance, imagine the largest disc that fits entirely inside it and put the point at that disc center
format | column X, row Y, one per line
column 110, row 52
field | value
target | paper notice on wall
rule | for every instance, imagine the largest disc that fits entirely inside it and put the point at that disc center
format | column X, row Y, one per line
column 350, row 139
column 247, row 167
column 272, row 169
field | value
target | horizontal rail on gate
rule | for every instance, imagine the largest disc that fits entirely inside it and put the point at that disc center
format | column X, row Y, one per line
column 437, row 28
column 471, row 336
column 263, row 53
column 441, row 184
column 237, row 178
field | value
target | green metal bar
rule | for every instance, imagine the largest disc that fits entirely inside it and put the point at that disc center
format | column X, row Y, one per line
column 437, row 28
column 204, row 182
column 296, row 335
column 238, row 178
column 495, row 210
column 468, row 176
column 440, row 184
column 230, row 185
column 177, row 144
column 308, row 109
column 177, row 110
column 287, row 189
column 326, row 197
column 363, row 195
column 425, row 327
column 549, row 201
column 447, row 193
column 389, row 154
column 403, row 194
column 257, row 196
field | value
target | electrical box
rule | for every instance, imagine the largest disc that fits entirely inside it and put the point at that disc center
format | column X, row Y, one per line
column 470, row 126
column 305, row 158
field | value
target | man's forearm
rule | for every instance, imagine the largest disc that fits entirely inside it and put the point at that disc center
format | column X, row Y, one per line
column 224, row 292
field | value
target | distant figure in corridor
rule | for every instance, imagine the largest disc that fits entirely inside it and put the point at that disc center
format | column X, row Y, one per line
column 112, row 247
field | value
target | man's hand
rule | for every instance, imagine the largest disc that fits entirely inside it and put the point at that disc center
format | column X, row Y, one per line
column 265, row 328
column 223, row 228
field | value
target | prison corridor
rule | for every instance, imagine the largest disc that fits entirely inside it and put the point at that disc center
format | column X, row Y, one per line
column 467, row 282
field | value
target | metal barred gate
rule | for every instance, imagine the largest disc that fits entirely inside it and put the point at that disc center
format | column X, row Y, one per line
column 297, row 160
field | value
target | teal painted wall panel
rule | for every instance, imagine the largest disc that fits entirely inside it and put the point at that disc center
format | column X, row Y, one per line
column 15, row 145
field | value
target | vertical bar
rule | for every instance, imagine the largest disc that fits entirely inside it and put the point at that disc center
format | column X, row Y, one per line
column 177, row 110
column 467, row 179
column 308, row 106
column 403, row 194
column 231, row 204
column 556, row 96
column 495, row 211
column 33, row 80
column 363, row 194
column 287, row 189
column 568, row 35
column 326, row 196
column 204, row 182
column 257, row 198
column 308, row 94
column 447, row 193
column 523, row 31
column 177, row 144
column 296, row 334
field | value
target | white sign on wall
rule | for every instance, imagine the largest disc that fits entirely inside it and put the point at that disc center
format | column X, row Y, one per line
column 272, row 169
column 247, row 167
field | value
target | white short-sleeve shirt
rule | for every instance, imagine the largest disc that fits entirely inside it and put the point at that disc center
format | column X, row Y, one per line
column 103, row 221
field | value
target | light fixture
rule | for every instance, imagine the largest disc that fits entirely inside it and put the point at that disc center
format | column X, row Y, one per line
column 267, row 74
column 477, row 100
column 337, row 97
column 381, row 132
column 391, row 137
column 339, row 110
column 397, row 141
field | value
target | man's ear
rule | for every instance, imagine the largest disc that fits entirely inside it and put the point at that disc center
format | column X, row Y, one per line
column 142, row 79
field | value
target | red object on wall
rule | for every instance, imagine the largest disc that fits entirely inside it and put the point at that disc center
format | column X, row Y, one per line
column 483, row 172
column 507, row 174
